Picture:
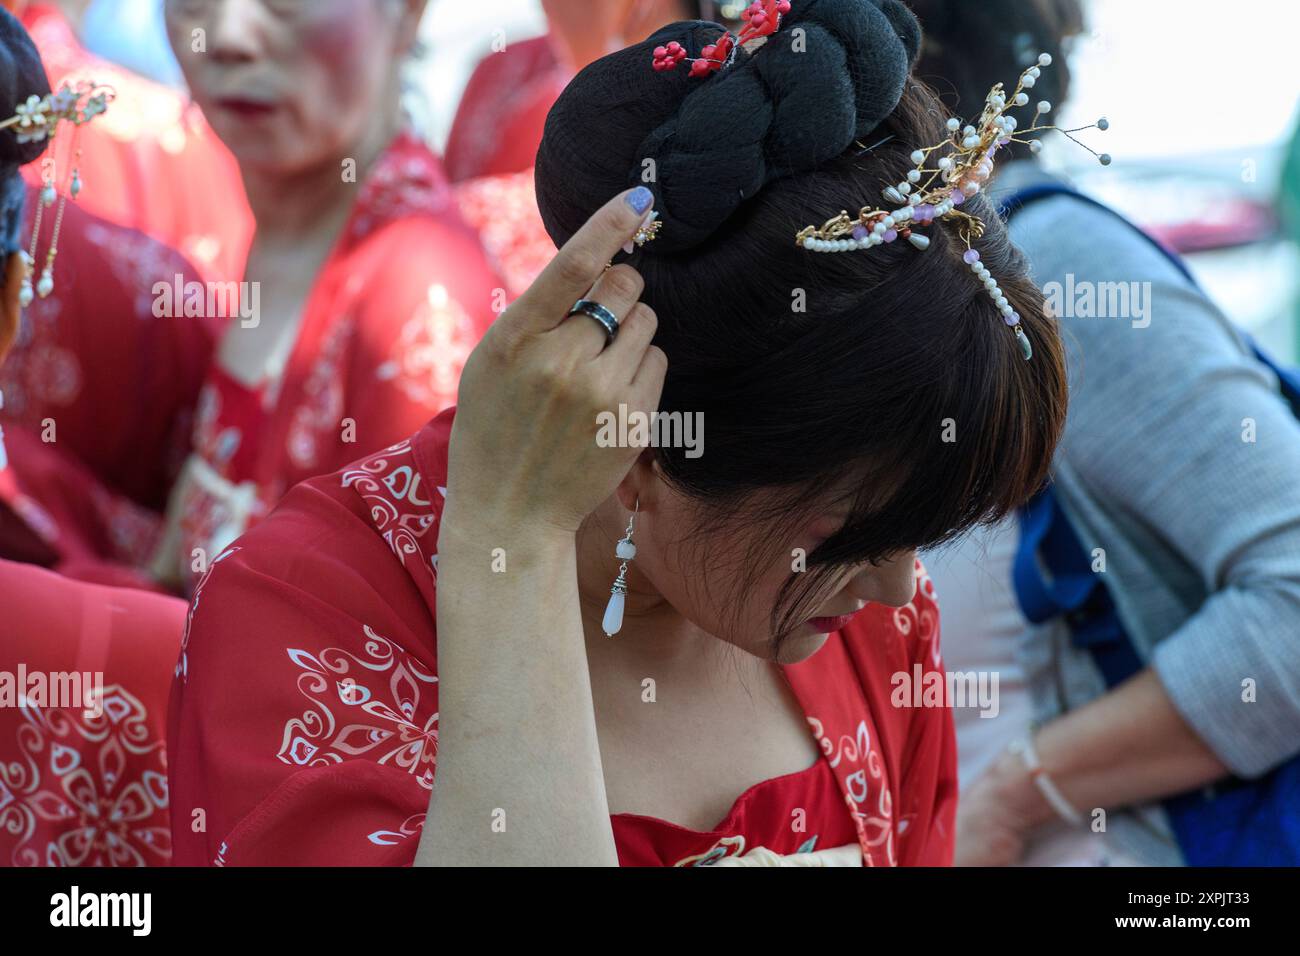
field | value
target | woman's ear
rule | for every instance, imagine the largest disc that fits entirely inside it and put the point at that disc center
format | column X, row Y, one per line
column 10, row 310
column 641, row 483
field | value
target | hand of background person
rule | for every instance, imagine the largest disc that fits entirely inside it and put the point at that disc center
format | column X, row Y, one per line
column 995, row 815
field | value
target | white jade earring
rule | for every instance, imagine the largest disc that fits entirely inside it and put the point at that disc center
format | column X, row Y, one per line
column 625, row 551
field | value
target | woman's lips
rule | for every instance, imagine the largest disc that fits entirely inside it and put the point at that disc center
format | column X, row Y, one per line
column 245, row 108
column 825, row 625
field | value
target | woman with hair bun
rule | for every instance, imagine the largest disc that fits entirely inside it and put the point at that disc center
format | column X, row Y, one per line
column 82, row 780
column 613, row 650
column 99, row 389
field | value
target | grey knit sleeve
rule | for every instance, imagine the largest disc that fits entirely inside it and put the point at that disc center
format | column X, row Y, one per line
column 1182, row 460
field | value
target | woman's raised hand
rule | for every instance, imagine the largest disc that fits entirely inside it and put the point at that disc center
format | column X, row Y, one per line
column 523, row 454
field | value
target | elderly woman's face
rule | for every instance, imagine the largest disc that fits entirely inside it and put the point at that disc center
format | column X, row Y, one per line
column 290, row 83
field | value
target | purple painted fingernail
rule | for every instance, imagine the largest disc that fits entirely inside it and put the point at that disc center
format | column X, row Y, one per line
column 640, row 199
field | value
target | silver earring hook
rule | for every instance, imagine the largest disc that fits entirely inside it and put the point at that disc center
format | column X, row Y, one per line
column 631, row 519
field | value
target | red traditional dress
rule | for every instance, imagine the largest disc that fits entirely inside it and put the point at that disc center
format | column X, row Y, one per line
column 85, row 787
column 491, row 150
column 401, row 301
column 503, row 210
column 304, row 717
column 499, row 121
column 99, row 394
column 151, row 162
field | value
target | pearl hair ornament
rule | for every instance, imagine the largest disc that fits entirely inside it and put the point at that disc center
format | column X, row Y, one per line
column 938, row 185
column 34, row 121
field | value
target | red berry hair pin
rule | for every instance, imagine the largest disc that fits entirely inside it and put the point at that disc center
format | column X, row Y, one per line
column 762, row 19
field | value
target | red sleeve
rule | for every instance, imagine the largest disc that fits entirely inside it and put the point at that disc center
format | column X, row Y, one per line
column 498, row 124
column 929, row 770
column 56, row 760
column 355, row 813
column 429, row 298
column 303, row 723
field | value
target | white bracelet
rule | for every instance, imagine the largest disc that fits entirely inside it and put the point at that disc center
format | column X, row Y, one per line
column 1025, row 748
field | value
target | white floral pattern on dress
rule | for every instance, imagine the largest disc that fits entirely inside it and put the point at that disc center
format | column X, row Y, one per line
column 404, row 186
column 39, row 372
column 429, row 353
column 857, row 765
column 183, row 661
column 106, row 772
column 385, row 722
column 409, row 827
column 390, row 484
column 318, row 418
column 503, row 211
column 925, row 621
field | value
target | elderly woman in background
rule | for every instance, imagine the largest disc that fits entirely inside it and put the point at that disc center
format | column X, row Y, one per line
column 100, row 386
column 368, row 288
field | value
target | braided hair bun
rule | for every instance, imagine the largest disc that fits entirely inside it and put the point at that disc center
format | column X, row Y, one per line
column 832, row 73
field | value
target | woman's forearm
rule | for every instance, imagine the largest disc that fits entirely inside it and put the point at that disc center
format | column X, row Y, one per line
column 1129, row 746
column 518, row 778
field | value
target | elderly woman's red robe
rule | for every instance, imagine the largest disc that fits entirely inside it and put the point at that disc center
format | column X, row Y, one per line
column 304, row 716
column 401, row 301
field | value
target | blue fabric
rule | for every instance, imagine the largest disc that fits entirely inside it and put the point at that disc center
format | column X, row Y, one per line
column 13, row 192
column 1236, row 822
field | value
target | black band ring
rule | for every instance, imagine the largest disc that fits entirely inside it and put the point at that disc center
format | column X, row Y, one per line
column 594, row 310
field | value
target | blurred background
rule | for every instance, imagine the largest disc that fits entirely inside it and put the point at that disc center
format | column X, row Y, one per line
column 1203, row 126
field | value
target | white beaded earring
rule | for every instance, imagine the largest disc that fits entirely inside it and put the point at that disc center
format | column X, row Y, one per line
column 625, row 551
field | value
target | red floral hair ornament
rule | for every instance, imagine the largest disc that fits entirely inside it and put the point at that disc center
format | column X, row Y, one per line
column 762, row 19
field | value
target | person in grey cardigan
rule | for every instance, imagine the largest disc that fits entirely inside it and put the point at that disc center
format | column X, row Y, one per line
column 1179, row 469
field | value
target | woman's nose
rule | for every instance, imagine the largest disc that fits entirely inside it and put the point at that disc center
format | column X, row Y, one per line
column 892, row 583
column 232, row 29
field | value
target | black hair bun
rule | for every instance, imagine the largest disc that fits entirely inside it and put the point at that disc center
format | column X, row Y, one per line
column 21, row 75
column 832, row 73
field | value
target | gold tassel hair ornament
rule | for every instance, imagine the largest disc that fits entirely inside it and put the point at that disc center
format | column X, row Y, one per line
column 36, row 120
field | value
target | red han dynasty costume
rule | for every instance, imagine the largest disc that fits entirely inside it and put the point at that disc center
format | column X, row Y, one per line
column 304, row 717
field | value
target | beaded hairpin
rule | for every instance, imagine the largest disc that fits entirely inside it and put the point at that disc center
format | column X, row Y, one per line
column 36, row 120
column 929, row 193
column 934, row 192
column 762, row 18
